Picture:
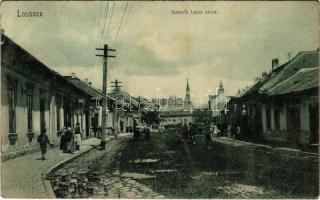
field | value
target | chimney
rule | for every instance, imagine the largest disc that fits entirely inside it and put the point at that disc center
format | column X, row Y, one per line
column 73, row 75
column 264, row 74
column 275, row 63
column 256, row 79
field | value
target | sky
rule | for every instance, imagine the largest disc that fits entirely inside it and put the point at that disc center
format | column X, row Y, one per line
column 156, row 50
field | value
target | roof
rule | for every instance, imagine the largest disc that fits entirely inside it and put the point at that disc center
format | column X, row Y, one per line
column 84, row 86
column 135, row 102
column 32, row 61
column 303, row 60
column 175, row 113
column 302, row 80
column 255, row 87
column 31, row 58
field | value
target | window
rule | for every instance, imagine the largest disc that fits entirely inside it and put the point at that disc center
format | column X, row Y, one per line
column 277, row 117
column 29, row 109
column 12, row 103
column 268, row 117
column 58, row 113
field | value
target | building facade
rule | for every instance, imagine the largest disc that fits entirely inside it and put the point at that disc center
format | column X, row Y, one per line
column 282, row 106
column 174, row 103
column 32, row 100
column 172, row 118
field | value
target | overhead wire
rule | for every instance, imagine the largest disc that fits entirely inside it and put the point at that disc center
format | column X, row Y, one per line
column 105, row 22
column 99, row 21
column 124, row 12
column 110, row 22
column 97, row 42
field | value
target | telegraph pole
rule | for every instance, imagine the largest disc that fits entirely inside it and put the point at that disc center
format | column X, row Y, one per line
column 116, row 87
column 104, row 92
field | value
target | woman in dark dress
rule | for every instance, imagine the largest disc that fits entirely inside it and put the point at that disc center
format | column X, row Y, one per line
column 43, row 140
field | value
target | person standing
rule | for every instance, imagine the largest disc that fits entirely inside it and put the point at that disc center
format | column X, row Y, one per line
column 77, row 135
column 193, row 131
column 147, row 133
column 208, row 136
column 68, row 141
column 238, row 131
column 43, row 140
column 62, row 138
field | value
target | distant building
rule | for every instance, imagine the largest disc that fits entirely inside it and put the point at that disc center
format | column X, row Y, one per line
column 175, row 110
column 174, row 103
column 170, row 118
column 217, row 102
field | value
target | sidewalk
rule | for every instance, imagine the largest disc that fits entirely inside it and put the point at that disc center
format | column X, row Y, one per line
column 22, row 177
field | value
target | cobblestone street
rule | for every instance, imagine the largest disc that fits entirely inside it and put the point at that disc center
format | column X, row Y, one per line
column 120, row 187
column 162, row 168
column 104, row 169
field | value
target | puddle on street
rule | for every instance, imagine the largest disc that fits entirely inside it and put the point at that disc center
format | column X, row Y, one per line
column 242, row 190
column 136, row 175
column 163, row 170
column 148, row 160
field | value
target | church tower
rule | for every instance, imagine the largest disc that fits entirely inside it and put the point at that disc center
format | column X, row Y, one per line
column 188, row 98
column 221, row 89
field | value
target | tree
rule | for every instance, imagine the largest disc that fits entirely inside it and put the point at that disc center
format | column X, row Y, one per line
column 151, row 117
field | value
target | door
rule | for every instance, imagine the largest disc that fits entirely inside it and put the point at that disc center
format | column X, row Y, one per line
column 314, row 123
column 293, row 124
column 87, row 123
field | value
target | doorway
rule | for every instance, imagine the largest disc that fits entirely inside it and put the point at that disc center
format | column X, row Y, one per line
column 314, row 123
column 293, row 124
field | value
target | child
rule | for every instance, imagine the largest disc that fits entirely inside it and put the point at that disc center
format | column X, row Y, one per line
column 43, row 140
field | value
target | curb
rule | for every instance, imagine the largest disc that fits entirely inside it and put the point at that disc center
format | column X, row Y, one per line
column 47, row 184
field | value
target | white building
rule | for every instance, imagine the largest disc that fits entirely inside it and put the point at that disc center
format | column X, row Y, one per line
column 218, row 101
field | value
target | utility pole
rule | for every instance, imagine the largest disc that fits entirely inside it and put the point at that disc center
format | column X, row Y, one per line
column 104, row 92
column 116, row 87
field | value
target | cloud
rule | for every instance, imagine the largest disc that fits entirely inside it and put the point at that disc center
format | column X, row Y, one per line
column 156, row 49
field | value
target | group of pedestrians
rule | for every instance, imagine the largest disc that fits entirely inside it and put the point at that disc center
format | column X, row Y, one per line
column 185, row 132
column 141, row 129
column 70, row 140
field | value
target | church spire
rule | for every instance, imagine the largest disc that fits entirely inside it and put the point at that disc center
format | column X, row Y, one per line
column 188, row 89
column 221, row 89
column 188, row 105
